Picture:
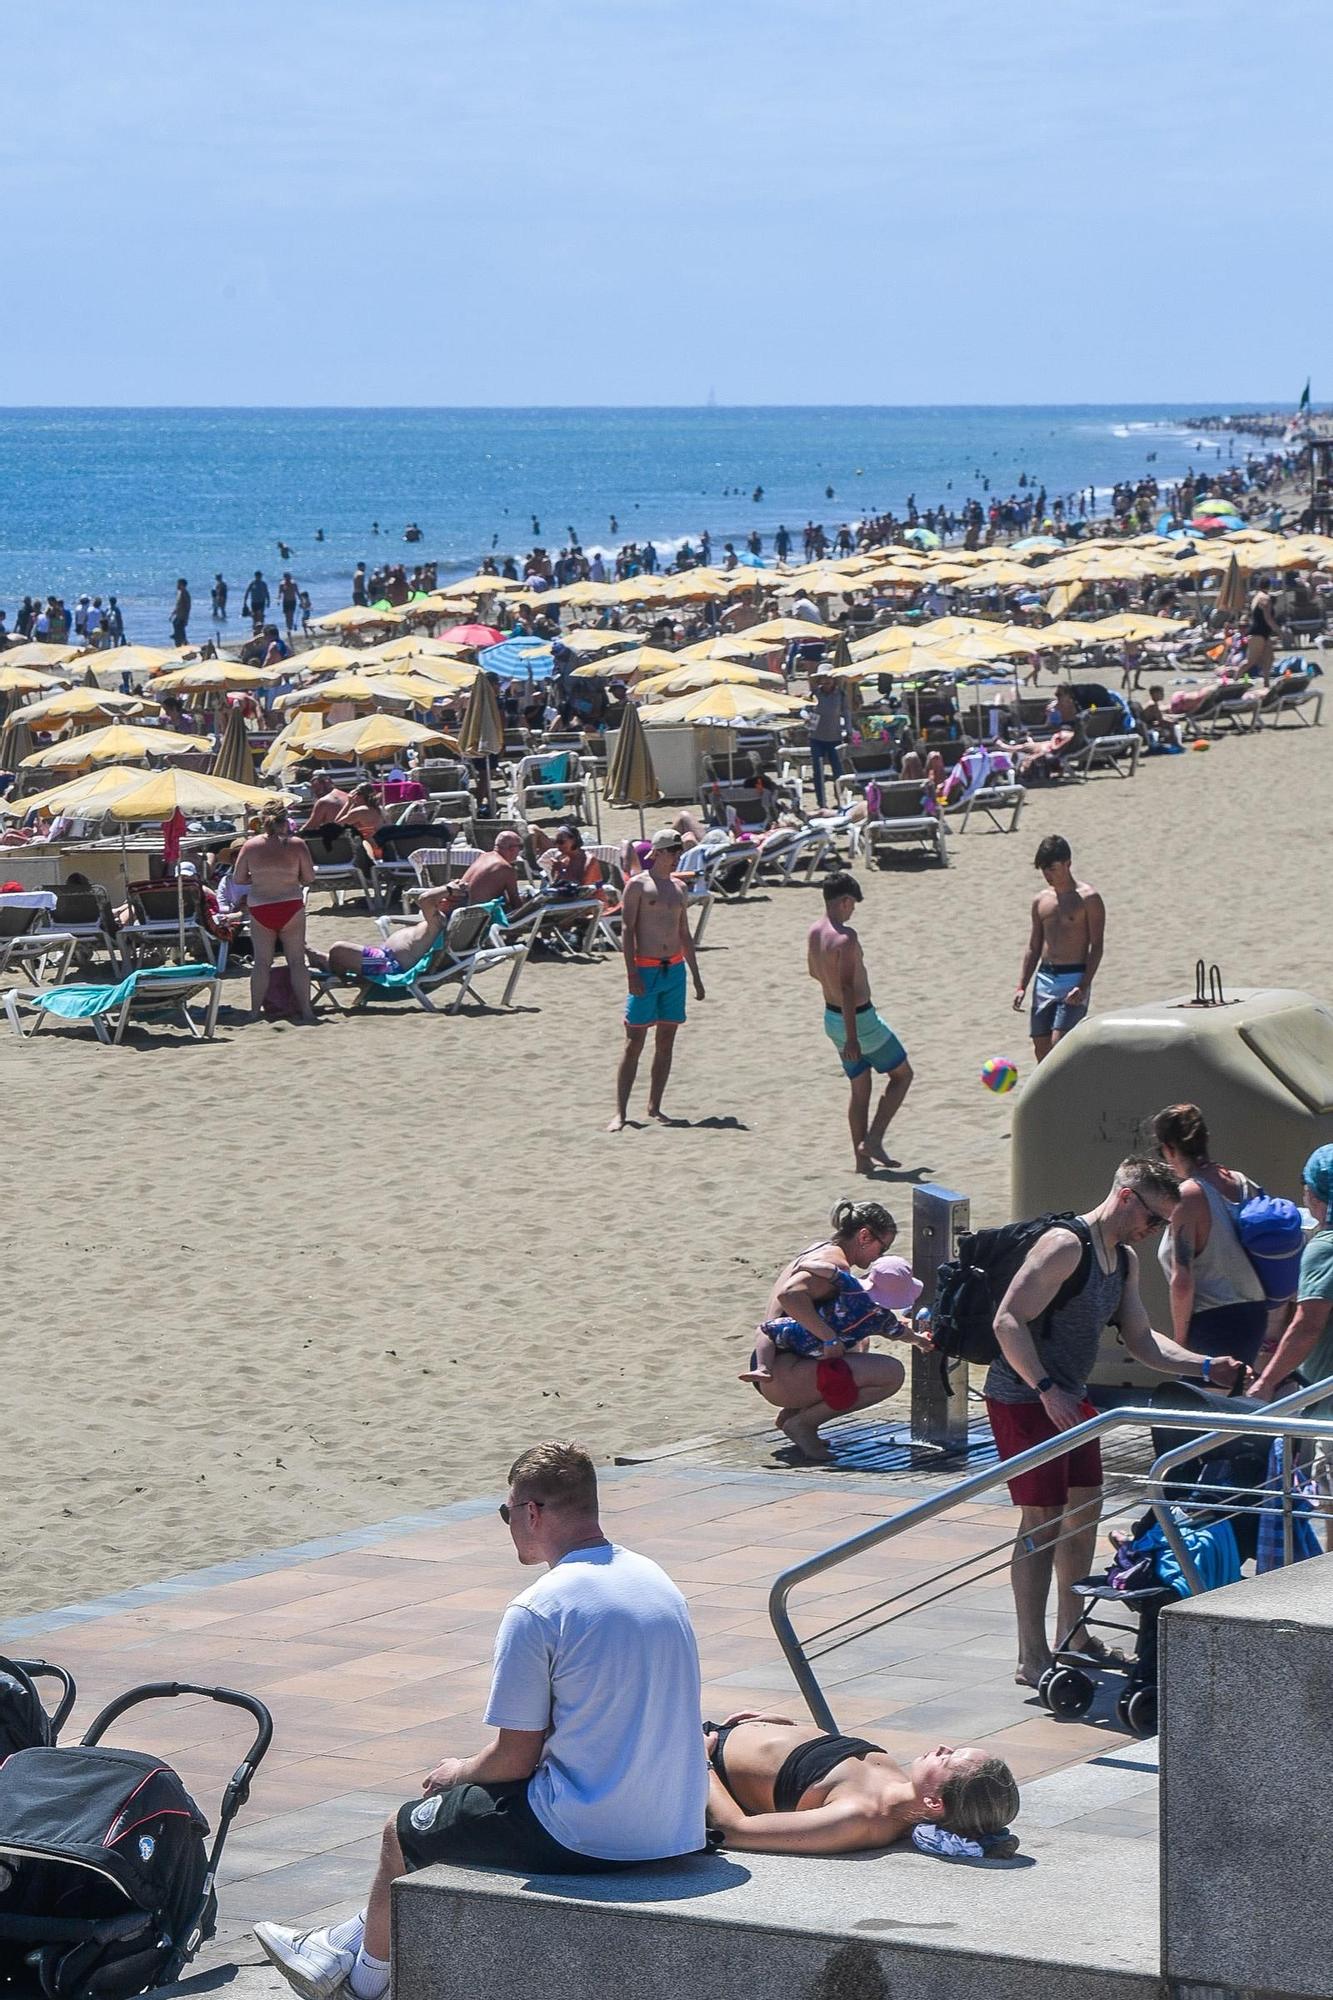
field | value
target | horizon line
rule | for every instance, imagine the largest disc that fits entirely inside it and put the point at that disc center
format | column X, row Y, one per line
column 1235, row 406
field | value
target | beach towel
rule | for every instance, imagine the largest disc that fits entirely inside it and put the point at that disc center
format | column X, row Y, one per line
column 1304, row 1541
column 553, row 769
column 85, row 1002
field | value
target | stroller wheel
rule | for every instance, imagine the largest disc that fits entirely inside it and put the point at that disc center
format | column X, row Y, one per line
column 1070, row 1692
column 1044, row 1686
column 1141, row 1711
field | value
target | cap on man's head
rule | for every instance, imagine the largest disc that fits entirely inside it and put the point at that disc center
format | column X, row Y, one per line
column 667, row 840
column 1318, row 1173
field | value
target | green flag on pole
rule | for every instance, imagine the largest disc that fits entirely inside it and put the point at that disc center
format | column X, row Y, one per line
column 1304, row 403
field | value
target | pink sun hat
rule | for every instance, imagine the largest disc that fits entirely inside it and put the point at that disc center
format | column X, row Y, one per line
column 891, row 1283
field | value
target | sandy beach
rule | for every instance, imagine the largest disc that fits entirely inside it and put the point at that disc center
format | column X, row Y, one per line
column 302, row 1279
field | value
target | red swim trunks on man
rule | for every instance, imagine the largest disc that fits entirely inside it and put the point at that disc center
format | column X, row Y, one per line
column 1017, row 1427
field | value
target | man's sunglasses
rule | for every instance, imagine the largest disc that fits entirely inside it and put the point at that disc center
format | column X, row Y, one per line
column 1157, row 1221
column 504, row 1508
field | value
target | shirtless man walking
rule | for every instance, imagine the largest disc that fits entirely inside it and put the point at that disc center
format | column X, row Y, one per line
column 866, row 1044
column 1064, row 948
column 657, row 945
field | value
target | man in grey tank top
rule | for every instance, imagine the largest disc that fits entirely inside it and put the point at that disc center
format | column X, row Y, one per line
column 1039, row 1387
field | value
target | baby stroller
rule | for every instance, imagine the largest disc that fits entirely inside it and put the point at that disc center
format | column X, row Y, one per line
column 24, row 1722
column 1235, row 1471
column 106, row 1884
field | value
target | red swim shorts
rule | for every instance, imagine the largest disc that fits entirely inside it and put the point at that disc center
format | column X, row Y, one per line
column 836, row 1383
column 1016, row 1427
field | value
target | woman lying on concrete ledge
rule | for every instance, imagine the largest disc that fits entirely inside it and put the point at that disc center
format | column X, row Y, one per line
column 781, row 1787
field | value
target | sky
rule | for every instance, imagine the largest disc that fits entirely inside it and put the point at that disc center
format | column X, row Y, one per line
column 519, row 202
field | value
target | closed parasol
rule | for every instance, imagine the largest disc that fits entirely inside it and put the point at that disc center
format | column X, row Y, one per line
column 630, row 778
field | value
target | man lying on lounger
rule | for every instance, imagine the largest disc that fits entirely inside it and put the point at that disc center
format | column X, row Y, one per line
column 780, row 1787
column 398, row 952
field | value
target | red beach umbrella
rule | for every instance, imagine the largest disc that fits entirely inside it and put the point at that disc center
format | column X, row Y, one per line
column 473, row 635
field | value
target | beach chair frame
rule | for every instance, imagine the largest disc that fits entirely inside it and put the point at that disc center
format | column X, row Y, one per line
column 149, row 998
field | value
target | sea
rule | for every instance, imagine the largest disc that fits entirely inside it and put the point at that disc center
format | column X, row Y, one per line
column 127, row 500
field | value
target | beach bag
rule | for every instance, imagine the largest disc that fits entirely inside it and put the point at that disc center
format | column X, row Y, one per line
column 279, row 997
column 1271, row 1235
column 969, row 1289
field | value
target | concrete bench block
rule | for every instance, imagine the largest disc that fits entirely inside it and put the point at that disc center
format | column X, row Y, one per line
column 1247, row 1774
column 1069, row 1915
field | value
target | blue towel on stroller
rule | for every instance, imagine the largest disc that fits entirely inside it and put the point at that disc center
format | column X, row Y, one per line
column 1211, row 1544
column 1304, row 1541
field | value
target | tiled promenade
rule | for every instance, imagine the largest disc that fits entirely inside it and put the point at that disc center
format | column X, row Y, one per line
column 372, row 1649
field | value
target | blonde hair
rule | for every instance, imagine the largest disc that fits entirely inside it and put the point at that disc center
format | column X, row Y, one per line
column 275, row 819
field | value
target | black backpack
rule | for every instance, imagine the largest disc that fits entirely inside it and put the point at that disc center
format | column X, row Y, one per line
column 968, row 1290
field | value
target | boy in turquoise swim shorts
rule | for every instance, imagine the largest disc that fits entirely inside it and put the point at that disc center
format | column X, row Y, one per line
column 865, row 1042
column 657, row 945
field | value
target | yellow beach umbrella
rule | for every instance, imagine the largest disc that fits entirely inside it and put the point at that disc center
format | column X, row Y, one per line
column 445, row 676
column 740, row 646
column 83, row 704
column 483, row 730
column 407, row 646
column 335, row 659
column 630, row 777
column 219, row 676
column 630, row 666
column 328, row 694
column 288, row 746
column 372, row 739
column 143, row 659
column 1134, row 627
column 588, row 640
column 121, row 743
column 156, row 795
column 235, row 760
column 783, row 631
column 355, row 618
column 724, row 705
column 25, row 680
column 703, row 674
column 84, row 797
column 42, row 654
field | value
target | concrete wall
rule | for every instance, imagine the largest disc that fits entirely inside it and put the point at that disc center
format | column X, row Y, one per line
column 1070, row 1916
column 1247, row 1785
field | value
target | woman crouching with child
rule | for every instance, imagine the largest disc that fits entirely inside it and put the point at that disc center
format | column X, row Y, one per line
column 811, row 1356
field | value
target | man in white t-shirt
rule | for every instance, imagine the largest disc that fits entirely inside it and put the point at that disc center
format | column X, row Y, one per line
column 598, row 1758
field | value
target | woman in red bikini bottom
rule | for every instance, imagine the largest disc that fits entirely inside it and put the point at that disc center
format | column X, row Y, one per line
column 276, row 867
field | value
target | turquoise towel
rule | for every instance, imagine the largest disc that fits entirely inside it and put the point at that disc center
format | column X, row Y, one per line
column 85, row 1003
column 553, row 769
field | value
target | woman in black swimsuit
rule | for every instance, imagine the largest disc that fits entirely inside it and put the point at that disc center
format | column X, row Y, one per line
column 779, row 1787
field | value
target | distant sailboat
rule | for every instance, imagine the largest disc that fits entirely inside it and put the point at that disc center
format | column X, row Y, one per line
column 711, row 403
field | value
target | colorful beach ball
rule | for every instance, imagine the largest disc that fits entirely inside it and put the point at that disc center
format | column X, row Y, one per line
column 999, row 1075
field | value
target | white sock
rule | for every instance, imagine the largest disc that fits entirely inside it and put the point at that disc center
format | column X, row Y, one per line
column 347, row 1936
column 369, row 1977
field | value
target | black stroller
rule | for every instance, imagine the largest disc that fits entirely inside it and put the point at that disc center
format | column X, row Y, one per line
column 24, row 1721
column 106, row 1884
column 1233, row 1471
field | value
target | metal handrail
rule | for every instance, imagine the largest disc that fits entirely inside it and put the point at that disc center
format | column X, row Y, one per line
column 1180, row 1454
column 1254, row 1421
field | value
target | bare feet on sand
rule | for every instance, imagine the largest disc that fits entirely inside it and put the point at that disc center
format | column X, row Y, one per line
column 870, row 1162
column 804, row 1436
column 618, row 1123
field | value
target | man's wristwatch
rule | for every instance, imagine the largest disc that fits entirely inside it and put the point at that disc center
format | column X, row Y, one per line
column 1046, row 1382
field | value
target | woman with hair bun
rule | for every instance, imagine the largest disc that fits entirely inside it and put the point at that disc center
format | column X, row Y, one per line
column 276, row 868
column 811, row 1358
column 1217, row 1300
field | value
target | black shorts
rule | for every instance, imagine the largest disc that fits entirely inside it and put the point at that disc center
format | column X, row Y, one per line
column 487, row 1826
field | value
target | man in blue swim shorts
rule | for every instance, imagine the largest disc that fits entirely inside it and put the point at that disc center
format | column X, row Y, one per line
column 1064, row 949
column 865, row 1042
column 658, row 948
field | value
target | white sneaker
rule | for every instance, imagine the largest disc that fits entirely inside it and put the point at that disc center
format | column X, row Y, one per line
column 306, row 1959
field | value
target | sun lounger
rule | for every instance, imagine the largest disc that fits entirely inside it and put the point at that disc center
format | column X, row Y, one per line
column 26, row 935
column 1110, row 746
column 163, row 993
column 551, row 782
column 987, row 790
column 88, row 917
column 156, row 922
column 1294, row 694
column 468, row 947
column 901, row 822
column 786, row 855
column 339, row 863
column 565, row 924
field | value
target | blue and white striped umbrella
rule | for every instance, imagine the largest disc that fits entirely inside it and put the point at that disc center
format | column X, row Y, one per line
column 515, row 658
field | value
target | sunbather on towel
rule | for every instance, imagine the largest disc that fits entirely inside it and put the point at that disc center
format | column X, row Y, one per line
column 782, row 1787
column 401, row 950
